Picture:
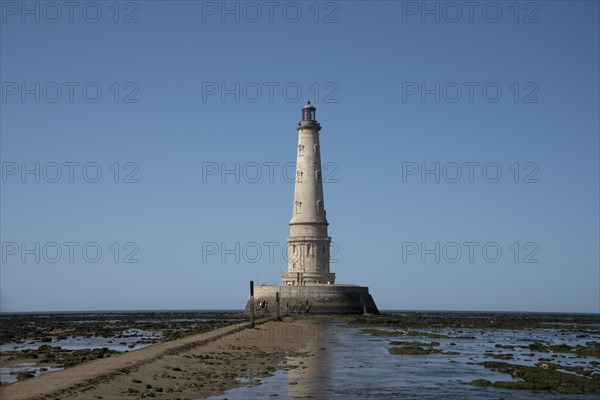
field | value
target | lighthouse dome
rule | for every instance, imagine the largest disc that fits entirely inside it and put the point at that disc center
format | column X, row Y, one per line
column 308, row 106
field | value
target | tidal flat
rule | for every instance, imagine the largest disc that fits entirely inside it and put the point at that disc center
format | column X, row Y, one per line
column 539, row 352
column 32, row 344
column 421, row 355
column 195, row 366
column 436, row 355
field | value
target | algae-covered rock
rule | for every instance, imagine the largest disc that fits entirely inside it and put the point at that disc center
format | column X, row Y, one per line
column 591, row 349
column 547, row 378
column 22, row 375
column 413, row 343
column 412, row 350
column 380, row 332
column 431, row 335
column 499, row 356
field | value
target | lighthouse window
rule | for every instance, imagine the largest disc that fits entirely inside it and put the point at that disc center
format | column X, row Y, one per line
column 300, row 149
column 318, row 176
column 299, row 176
column 316, row 149
column 319, row 207
column 298, row 207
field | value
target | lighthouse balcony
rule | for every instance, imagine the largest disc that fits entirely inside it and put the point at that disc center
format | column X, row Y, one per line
column 309, row 125
column 307, row 278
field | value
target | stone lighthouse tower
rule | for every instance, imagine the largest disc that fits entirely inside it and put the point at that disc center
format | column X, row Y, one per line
column 308, row 244
column 308, row 287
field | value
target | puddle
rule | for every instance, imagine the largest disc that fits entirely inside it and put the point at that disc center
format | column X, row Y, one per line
column 9, row 374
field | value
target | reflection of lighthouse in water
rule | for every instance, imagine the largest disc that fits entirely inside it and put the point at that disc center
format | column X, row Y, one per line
column 312, row 378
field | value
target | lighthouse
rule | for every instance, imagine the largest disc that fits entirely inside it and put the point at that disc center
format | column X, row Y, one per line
column 308, row 286
column 308, row 244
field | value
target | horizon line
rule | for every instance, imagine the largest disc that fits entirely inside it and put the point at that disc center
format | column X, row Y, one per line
column 241, row 310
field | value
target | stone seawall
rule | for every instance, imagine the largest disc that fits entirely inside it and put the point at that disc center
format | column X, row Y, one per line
column 313, row 299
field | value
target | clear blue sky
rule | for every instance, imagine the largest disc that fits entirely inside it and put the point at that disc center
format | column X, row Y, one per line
column 365, row 65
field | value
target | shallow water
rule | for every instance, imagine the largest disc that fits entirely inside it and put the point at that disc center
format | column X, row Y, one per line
column 351, row 365
column 9, row 375
column 127, row 341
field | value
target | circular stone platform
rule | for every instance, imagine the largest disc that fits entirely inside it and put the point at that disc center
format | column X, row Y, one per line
column 313, row 299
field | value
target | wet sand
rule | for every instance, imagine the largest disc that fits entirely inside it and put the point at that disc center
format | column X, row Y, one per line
column 190, row 368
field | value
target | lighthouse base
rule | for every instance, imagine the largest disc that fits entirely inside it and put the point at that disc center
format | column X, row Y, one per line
column 312, row 299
